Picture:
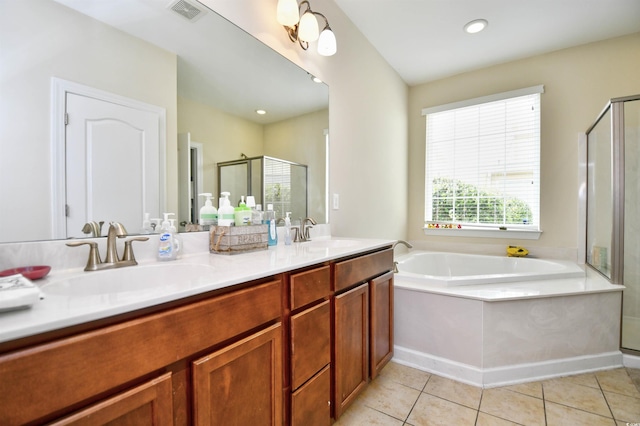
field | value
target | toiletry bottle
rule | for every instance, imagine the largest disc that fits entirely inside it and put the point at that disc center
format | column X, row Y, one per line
column 166, row 245
column 225, row 211
column 257, row 215
column 242, row 213
column 287, row 229
column 156, row 225
column 146, row 225
column 208, row 213
column 177, row 238
column 251, row 204
column 270, row 220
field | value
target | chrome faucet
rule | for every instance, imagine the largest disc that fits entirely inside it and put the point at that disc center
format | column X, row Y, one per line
column 304, row 228
column 94, row 263
column 404, row 243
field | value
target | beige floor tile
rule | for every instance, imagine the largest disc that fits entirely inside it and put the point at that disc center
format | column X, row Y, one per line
column 617, row 381
column 361, row 415
column 431, row 410
column 404, row 375
column 485, row 419
column 532, row 389
column 389, row 397
column 560, row 415
column 453, row 391
column 513, row 406
column 588, row 379
column 577, row 396
column 624, row 408
column 634, row 373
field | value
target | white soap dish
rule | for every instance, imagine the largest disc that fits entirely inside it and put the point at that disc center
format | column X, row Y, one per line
column 17, row 292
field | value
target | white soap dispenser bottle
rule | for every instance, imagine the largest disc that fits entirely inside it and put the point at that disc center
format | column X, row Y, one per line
column 166, row 245
column 208, row 213
column 146, row 225
column 226, row 215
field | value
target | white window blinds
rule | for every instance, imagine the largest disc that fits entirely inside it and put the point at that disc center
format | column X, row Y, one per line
column 483, row 161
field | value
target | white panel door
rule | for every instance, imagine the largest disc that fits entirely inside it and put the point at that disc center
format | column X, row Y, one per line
column 112, row 164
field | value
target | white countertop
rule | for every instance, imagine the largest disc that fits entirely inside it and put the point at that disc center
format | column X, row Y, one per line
column 70, row 301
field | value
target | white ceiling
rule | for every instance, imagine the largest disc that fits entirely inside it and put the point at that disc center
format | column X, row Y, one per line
column 423, row 40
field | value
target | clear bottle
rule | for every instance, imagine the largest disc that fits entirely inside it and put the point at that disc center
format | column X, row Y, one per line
column 242, row 213
column 257, row 215
column 287, row 229
column 270, row 220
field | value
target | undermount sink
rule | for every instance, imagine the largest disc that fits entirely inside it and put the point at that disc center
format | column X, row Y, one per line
column 132, row 279
column 333, row 243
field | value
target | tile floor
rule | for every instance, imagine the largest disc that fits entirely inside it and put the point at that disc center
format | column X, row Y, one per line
column 402, row 395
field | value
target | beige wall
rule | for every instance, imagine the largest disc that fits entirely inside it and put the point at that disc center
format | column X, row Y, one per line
column 41, row 40
column 578, row 83
column 368, row 118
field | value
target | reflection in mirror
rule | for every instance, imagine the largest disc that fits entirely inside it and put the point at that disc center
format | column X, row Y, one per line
column 202, row 73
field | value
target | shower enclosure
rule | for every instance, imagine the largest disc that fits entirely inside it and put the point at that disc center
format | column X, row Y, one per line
column 270, row 180
column 613, row 206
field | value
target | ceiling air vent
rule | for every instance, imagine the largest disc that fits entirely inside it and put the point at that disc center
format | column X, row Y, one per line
column 186, row 10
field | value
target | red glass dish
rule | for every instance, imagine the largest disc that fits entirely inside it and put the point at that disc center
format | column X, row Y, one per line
column 31, row 272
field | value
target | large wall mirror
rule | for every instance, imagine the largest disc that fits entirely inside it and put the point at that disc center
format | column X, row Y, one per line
column 202, row 76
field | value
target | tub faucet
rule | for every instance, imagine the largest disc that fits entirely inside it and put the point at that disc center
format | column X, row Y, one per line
column 404, row 243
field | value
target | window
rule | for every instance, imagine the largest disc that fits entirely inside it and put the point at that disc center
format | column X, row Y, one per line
column 482, row 164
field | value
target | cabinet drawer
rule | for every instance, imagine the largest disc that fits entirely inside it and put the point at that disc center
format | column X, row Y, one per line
column 310, row 342
column 311, row 404
column 309, row 286
column 48, row 378
column 362, row 268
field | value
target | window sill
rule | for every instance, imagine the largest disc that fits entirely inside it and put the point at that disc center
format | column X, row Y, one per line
column 521, row 234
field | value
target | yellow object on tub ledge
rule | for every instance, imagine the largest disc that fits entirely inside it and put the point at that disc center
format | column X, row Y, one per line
column 516, row 251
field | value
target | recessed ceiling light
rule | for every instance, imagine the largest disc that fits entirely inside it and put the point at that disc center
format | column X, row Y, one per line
column 476, row 26
column 261, row 112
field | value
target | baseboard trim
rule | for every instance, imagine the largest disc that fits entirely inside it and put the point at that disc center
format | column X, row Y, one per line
column 631, row 361
column 511, row 374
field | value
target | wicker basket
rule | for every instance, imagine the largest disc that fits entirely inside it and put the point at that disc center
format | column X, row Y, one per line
column 237, row 239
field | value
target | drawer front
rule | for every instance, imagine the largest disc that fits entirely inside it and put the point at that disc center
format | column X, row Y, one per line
column 362, row 268
column 311, row 404
column 75, row 369
column 309, row 286
column 310, row 342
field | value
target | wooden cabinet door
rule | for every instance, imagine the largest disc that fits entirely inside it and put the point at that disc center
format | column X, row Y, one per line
column 381, row 322
column 241, row 384
column 147, row 404
column 351, row 346
column 310, row 343
column 311, row 404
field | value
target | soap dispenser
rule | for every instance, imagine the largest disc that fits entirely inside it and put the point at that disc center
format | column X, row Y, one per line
column 208, row 213
column 146, row 225
column 270, row 220
column 287, row 229
column 167, row 246
column 225, row 212
column 242, row 213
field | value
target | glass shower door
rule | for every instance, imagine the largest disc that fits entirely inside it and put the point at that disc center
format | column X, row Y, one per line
column 631, row 280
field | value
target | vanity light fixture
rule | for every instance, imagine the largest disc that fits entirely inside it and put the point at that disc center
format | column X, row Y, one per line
column 475, row 26
column 301, row 25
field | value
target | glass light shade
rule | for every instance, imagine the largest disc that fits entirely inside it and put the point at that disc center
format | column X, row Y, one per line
column 327, row 45
column 287, row 12
column 308, row 28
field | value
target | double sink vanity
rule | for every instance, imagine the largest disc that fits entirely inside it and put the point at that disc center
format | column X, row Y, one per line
column 288, row 335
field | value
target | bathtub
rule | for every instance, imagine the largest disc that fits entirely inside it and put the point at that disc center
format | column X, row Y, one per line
column 453, row 269
column 492, row 321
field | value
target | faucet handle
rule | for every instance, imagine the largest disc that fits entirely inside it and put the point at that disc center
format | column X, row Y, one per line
column 296, row 232
column 128, row 256
column 94, row 254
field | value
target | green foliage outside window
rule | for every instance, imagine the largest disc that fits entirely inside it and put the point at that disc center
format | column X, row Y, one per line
column 474, row 205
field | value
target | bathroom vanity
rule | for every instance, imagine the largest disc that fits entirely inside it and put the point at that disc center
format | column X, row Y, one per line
column 292, row 344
